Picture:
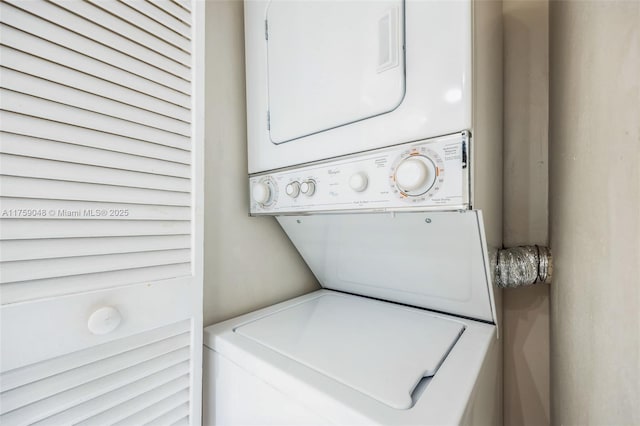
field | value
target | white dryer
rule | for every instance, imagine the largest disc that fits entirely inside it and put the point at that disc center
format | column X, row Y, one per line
column 330, row 78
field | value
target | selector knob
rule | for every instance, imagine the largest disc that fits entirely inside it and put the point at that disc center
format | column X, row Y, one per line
column 293, row 189
column 359, row 181
column 308, row 187
column 261, row 193
column 415, row 175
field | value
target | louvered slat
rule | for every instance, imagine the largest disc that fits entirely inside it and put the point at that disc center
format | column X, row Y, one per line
column 172, row 416
column 66, row 209
column 142, row 21
column 20, row 187
column 71, row 96
column 32, row 65
column 153, row 411
column 55, row 111
column 123, row 28
column 27, row 167
column 174, row 10
column 45, row 50
column 44, row 29
column 102, row 37
column 17, row 250
column 184, row 4
column 32, row 373
column 182, row 422
column 51, row 385
column 27, row 229
column 34, row 269
column 28, row 146
column 112, row 399
column 24, row 405
column 126, row 409
column 16, row 125
column 22, row 291
column 65, row 400
column 149, row 9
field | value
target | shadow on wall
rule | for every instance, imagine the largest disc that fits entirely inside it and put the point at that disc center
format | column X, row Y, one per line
column 525, row 203
column 249, row 262
column 527, row 334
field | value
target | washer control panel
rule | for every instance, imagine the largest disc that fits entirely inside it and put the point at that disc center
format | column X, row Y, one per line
column 426, row 175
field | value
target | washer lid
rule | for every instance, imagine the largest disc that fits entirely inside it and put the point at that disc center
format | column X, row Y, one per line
column 380, row 349
column 434, row 260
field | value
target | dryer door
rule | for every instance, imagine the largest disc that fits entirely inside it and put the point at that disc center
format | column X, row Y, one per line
column 332, row 63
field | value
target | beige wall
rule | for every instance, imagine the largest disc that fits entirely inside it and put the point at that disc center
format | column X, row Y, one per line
column 249, row 262
column 594, row 212
column 526, row 310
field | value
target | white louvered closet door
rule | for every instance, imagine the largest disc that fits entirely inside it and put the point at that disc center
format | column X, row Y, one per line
column 101, row 211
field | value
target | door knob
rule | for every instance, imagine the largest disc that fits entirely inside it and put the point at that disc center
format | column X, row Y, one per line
column 104, row 320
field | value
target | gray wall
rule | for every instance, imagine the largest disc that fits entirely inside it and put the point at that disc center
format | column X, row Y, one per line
column 249, row 262
column 594, row 211
column 525, row 193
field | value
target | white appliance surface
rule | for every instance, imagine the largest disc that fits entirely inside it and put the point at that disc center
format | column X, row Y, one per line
column 327, row 356
column 435, row 260
column 332, row 63
column 332, row 78
column 425, row 175
column 380, row 349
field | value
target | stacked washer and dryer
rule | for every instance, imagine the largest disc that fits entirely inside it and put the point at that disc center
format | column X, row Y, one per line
column 375, row 139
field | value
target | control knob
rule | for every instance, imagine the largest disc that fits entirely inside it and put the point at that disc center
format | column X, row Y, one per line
column 262, row 193
column 415, row 175
column 308, row 187
column 293, row 189
column 359, row 181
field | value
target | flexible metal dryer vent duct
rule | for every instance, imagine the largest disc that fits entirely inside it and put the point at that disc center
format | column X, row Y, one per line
column 523, row 265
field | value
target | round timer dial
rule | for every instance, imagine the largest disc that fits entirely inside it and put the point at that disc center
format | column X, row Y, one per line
column 417, row 174
column 264, row 192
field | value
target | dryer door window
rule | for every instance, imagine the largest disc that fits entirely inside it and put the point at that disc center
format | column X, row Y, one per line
column 331, row 63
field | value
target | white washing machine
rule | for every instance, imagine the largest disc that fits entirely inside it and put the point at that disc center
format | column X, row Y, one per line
column 375, row 139
column 336, row 357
